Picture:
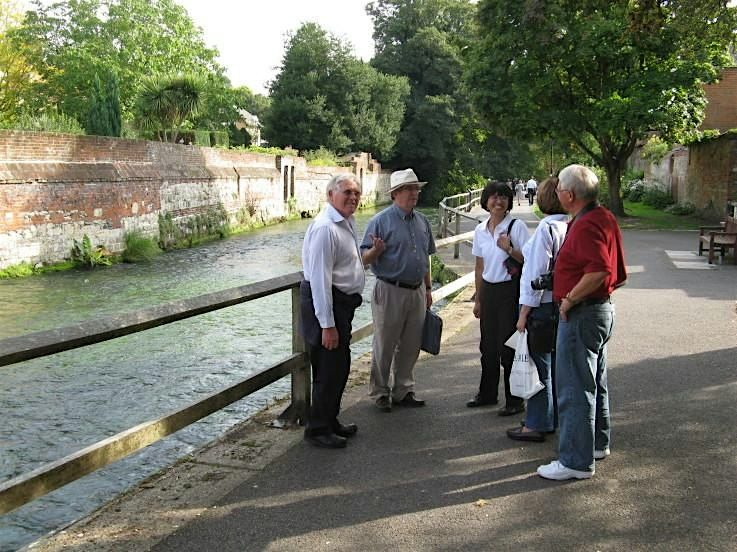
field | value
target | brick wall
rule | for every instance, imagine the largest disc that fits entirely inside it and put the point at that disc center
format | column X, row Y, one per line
column 55, row 188
column 721, row 109
column 703, row 174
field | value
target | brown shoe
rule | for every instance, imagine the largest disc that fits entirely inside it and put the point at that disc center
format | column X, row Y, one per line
column 384, row 404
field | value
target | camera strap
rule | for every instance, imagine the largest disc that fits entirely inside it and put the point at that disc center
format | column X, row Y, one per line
column 554, row 255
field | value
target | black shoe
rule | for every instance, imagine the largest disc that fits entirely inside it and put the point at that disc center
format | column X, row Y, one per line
column 326, row 440
column 518, row 435
column 384, row 404
column 478, row 401
column 410, row 400
column 348, row 430
column 512, row 410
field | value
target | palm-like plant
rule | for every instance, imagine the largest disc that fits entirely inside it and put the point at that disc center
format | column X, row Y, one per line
column 166, row 101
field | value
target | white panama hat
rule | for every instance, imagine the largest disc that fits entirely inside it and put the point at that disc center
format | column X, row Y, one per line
column 405, row 177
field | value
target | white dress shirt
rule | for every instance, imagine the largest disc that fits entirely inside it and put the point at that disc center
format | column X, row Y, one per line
column 484, row 246
column 538, row 252
column 330, row 257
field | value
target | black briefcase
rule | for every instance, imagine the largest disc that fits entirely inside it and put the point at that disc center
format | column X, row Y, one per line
column 432, row 330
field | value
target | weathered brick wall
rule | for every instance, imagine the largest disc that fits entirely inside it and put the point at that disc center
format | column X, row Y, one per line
column 703, row 174
column 55, row 188
column 711, row 180
column 721, row 109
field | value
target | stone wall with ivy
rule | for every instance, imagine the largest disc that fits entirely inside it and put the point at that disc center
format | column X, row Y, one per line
column 55, row 188
column 704, row 173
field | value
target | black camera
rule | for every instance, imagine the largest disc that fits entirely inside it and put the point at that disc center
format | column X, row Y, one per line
column 543, row 282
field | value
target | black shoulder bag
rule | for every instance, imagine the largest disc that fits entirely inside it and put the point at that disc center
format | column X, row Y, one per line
column 541, row 332
column 513, row 266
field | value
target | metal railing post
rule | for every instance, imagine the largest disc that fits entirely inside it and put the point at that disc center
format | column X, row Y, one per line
column 457, row 246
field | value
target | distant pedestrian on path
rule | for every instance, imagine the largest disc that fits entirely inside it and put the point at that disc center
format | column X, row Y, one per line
column 590, row 266
column 497, row 293
column 397, row 245
column 519, row 189
column 531, row 189
column 330, row 293
column 539, row 314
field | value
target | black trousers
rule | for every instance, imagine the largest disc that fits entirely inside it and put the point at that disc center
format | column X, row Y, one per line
column 499, row 307
column 329, row 375
column 329, row 368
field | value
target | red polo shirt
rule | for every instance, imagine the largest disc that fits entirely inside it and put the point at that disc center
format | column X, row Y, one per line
column 593, row 244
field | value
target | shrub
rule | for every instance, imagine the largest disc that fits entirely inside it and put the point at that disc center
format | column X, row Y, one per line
column 139, row 248
column 270, row 150
column 655, row 149
column 657, row 199
column 633, row 190
column 440, row 273
column 46, row 122
column 681, row 209
column 321, row 157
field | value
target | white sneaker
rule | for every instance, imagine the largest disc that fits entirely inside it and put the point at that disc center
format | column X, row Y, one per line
column 601, row 454
column 556, row 470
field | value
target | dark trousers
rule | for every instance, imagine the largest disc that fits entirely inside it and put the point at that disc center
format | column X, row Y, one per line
column 498, row 321
column 329, row 375
column 329, row 368
column 531, row 195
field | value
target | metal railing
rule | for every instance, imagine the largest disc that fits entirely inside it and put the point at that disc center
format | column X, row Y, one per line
column 27, row 487
column 454, row 209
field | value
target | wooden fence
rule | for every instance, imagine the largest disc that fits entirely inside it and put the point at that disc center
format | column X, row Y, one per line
column 27, row 487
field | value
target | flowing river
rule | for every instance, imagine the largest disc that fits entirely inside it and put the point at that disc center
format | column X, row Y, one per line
column 51, row 407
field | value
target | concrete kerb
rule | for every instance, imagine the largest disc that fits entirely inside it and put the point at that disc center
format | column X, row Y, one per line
column 171, row 498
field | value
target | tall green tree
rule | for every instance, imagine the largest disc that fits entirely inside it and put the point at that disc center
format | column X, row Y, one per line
column 324, row 96
column 424, row 41
column 103, row 116
column 73, row 40
column 599, row 74
column 16, row 72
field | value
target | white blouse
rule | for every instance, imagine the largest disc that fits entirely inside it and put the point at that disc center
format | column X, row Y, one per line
column 537, row 253
column 484, row 246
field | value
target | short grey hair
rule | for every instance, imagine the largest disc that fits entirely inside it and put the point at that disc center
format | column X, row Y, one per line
column 581, row 181
column 338, row 179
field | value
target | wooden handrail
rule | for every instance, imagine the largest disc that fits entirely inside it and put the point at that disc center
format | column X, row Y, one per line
column 53, row 475
column 471, row 198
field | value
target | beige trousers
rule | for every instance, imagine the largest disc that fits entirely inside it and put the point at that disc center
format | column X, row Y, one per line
column 399, row 314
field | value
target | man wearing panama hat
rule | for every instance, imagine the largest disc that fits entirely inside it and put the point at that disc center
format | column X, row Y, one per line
column 397, row 245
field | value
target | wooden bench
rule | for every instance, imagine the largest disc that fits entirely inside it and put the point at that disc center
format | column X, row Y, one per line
column 719, row 238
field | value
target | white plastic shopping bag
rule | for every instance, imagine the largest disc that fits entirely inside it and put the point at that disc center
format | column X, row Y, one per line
column 524, row 381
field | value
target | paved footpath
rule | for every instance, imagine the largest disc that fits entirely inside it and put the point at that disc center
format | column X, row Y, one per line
column 445, row 477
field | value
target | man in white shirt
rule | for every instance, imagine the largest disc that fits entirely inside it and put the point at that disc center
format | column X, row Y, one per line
column 531, row 189
column 329, row 295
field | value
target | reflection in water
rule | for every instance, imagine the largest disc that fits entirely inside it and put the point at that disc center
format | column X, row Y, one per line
column 54, row 406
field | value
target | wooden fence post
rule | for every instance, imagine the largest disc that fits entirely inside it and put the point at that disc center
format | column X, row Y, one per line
column 296, row 412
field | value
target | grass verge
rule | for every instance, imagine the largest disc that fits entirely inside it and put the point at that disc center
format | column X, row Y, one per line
column 642, row 217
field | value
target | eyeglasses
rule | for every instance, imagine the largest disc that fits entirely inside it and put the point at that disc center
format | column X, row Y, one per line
column 559, row 190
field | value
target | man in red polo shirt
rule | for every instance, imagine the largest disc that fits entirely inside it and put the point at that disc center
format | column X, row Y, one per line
column 589, row 267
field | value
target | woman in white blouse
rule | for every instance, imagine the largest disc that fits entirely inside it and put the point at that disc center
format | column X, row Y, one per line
column 497, row 293
column 537, row 311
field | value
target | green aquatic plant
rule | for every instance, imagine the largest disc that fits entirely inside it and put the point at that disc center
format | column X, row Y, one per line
column 85, row 254
column 139, row 248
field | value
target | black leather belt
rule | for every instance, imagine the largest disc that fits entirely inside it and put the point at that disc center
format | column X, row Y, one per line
column 404, row 285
